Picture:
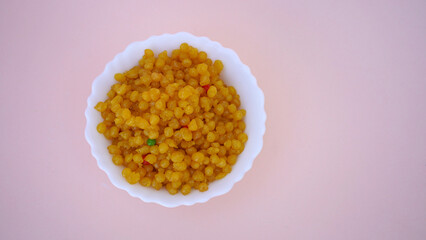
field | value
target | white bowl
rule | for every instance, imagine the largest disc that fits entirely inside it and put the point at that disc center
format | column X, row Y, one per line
column 235, row 73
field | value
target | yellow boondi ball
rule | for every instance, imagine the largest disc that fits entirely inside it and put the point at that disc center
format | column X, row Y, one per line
column 133, row 177
column 186, row 189
column 198, row 157
column 193, row 125
column 173, row 122
column 177, row 156
column 117, row 160
column 163, row 147
column 212, row 92
column 101, row 127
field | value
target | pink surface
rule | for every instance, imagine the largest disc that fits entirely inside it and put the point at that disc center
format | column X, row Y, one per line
column 344, row 154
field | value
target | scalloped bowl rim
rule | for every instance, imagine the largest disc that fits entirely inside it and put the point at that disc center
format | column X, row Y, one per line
column 242, row 79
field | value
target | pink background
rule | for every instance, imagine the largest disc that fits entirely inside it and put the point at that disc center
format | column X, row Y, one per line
column 345, row 146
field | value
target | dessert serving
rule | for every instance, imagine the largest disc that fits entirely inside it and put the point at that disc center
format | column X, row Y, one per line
column 173, row 122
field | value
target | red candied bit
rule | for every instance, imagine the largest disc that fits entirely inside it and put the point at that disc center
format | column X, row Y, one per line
column 206, row 87
column 185, row 127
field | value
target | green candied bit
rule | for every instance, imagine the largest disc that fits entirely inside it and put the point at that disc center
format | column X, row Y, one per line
column 150, row 142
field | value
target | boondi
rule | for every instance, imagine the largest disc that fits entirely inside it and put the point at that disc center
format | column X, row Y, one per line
column 173, row 122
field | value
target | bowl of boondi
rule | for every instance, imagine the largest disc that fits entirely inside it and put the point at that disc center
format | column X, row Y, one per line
column 175, row 119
